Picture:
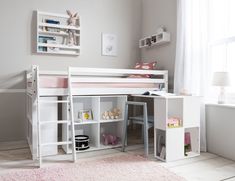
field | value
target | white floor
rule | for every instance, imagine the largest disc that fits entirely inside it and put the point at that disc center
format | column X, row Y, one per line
column 207, row 167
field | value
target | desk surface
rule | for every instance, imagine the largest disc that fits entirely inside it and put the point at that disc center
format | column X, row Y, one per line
column 159, row 97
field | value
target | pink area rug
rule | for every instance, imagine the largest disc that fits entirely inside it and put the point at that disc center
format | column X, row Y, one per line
column 116, row 168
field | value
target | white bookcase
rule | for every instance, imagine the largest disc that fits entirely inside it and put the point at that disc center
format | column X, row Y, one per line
column 170, row 141
column 52, row 34
column 98, row 126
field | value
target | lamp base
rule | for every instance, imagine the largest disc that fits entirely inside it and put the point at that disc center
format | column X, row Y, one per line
column 221, row 98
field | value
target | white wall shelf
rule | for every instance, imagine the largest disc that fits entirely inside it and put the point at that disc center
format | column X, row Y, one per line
column 170, row 141
column 53, row 37
column 97, row 127
column 156, row 39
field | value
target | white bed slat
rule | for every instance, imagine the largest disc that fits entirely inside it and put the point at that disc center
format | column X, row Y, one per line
column 116, row 80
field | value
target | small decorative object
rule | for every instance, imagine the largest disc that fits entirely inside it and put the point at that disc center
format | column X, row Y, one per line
column 221, row 79
column 187, row 143
column 109, row 44
column 72, row 22
column 114, row 114
column 85, row 115
column 161, row 29
column 109, row 139
column 82, row 142
column 184, row 92
column 174, row 122
column 105, row 115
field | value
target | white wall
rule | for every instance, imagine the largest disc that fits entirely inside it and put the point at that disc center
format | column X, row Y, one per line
column 122, row 17
column 157, row 13
column 220, row 126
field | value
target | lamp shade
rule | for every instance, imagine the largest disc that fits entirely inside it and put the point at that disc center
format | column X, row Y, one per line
column 221, row 79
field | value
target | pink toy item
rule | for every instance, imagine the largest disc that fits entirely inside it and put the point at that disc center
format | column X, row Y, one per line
column 109, row 139
column 174, row 122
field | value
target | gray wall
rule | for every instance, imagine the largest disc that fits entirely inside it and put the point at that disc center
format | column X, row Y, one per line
column 157, row 13
column 122, row 17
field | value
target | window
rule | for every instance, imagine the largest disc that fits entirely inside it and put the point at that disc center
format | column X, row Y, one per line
column 222, row 37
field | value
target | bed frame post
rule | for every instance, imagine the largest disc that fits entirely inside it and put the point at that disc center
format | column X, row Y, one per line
column 166, row 81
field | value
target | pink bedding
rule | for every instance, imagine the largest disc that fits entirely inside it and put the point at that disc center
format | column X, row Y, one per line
column 62, row 82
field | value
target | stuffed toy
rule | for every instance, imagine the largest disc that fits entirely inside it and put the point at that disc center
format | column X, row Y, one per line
column 109, row 139
column 116, row 113
column 72, row 33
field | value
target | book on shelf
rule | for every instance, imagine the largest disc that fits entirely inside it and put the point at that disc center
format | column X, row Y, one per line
column 51, row 21
column 187, row 143
column 45, row 39
column 158, row 93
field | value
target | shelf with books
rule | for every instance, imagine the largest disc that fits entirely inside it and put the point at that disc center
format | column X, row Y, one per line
column 58, row 26
column 61, row 33
column 56, row 35
column 58, row 46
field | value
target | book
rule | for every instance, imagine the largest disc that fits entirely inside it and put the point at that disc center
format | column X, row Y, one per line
column 158, row 93
column 44, row 39
column 187, row 143
column 51, row 21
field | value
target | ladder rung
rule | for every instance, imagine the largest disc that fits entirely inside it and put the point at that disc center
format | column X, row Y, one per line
column 57, row 122
column 57, row 143
column 44, row 101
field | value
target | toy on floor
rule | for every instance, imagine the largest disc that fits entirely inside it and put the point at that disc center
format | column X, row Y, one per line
column 114, row 114
column 109, row 139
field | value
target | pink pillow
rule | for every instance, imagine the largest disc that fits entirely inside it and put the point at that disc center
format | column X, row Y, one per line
column 144, row 66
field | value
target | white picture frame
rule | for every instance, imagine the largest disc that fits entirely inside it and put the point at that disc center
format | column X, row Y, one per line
column 109, row 44
column 85, row 115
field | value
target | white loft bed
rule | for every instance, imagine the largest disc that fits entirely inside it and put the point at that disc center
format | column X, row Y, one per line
column 49, row 85
column 95, row 81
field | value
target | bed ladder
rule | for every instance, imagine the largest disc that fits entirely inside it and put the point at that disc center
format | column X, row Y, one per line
column 69, row 121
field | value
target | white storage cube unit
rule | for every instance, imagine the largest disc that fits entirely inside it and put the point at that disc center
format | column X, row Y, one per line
column 170, row 141
column 98, row 126
column 49, row 132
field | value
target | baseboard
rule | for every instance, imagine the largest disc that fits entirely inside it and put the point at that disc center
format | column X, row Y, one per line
column 12, row 145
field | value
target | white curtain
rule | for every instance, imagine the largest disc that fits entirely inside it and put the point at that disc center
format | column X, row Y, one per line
column 192, row 62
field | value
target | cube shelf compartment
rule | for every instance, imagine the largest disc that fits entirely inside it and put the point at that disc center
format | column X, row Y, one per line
column 53, row 34
column 115, row 128
column 108, row 103
column 170, row 142
column 97, row 127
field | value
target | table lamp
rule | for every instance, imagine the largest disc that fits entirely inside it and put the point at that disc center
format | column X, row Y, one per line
column 221, row 79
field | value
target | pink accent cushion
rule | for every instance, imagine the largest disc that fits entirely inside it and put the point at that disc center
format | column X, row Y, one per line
column 144, row 66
